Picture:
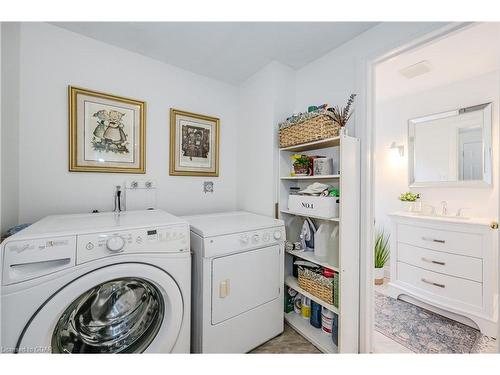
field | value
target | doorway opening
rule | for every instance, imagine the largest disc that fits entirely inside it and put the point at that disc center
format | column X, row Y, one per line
column 435, row 153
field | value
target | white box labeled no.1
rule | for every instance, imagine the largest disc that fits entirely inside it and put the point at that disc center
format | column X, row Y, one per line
column 326, row 207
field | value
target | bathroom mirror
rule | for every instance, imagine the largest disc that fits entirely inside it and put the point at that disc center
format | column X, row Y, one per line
column 451, row 148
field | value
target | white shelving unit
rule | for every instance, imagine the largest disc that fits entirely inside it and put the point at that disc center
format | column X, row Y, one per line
column 309, row 256
column 345, row 152
column 325, row 177
column 292, row 283
column 315, row 335
column 310, row 216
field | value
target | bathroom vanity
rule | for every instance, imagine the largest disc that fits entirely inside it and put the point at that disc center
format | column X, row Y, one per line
column 449, row 263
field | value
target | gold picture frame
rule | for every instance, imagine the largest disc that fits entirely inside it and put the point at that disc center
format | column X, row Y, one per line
column 194, row 144
column 107, row 133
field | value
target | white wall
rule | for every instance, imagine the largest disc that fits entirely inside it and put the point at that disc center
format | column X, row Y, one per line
column 0, row 129
column 334, row 76
column 391, row 175
column 53, row 58
column 247, row 157
column 265, row 99
column 10, row 126
column 331, row 79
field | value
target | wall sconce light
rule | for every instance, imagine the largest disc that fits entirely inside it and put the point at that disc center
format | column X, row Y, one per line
column 397, row 150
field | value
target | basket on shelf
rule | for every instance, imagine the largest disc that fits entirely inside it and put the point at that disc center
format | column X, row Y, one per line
column 308, row 127
column 317, row 284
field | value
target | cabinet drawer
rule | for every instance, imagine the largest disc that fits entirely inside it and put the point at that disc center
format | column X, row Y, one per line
column 450, row 264
column 453, row 288
column 468, row 244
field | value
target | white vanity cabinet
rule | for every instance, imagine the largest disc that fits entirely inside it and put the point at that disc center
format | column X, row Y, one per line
column 449, row 264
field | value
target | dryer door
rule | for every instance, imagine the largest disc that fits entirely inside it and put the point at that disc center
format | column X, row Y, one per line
column 243, row 281
column 123, row 308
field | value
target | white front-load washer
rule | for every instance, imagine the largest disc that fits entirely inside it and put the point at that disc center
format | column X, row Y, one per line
column 237, row 299
column 97, row 283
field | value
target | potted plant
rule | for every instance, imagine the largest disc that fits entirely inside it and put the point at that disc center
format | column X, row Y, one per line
column 301, row 165
column 381, row 256
column 409, row 200
column 341, row 115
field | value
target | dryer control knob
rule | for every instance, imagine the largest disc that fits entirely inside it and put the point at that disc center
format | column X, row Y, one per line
column 244, row 239
column 277, row 235
column 115, row 243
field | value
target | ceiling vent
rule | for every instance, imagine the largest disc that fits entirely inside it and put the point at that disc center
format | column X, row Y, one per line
column 417, row 69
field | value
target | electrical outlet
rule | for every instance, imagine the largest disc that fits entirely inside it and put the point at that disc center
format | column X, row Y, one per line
column 208, row 186
column 140, row 184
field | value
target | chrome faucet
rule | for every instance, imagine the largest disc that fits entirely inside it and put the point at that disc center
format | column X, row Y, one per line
column 444, row 208
column 460, row 210
column 433, row 209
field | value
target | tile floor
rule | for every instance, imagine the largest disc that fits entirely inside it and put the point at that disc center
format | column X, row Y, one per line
column 382, row 343
column 289, row 342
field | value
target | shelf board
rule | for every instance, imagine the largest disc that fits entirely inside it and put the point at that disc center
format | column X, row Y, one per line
column 309, row 256
column 311, row 216
column 316, row 145
column 315, row 335
column 293, row 283
column 322, row 177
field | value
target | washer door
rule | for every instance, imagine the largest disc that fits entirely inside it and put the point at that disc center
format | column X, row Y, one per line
column 123, row 308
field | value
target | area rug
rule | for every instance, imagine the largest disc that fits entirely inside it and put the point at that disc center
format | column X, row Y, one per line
column 423, row 331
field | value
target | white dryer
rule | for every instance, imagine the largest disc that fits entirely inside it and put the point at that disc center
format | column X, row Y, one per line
column 237, row 281
column 97, row 283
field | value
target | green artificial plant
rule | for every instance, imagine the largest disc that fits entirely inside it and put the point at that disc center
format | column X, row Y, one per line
column 382, row 249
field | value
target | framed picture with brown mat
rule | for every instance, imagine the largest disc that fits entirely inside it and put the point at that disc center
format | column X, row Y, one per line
column 194, row 144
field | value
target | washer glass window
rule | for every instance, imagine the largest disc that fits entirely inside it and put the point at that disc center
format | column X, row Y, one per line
column 118, row 316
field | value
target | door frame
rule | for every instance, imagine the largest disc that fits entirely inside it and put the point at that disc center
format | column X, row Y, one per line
column 365, row 128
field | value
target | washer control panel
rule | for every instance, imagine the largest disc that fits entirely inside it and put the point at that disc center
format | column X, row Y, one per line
column 171, row 239
column 233, row 243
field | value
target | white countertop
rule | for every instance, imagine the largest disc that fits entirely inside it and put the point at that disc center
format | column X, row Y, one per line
column 76, row 224
column 210, row 225
column 447, row 219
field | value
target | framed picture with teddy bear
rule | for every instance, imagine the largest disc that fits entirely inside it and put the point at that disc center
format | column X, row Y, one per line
column 194, row 144
column 106, row 132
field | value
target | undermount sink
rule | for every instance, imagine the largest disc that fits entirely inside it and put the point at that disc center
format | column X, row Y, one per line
column 465, row 220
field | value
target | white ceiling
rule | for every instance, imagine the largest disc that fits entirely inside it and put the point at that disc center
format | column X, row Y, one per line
column 227, row 51
column 462, row 55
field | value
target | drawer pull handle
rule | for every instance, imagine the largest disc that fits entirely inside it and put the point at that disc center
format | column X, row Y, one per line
column 433, row 283
column 433, row 240
column 433, row 261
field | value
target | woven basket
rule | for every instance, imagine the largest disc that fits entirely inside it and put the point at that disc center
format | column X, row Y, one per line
column 313, row 129
column 315, row 286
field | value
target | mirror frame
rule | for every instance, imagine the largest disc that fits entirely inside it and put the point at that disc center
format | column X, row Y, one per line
column 487, row 148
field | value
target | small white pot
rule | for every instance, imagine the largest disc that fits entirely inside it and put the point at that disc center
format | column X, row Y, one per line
column 408, row 206
column 379, row 276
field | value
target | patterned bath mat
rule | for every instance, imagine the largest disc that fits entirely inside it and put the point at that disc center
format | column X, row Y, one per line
column 423, row 331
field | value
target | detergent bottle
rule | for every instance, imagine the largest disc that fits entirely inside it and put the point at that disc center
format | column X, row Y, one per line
column 322, row 243
column 333, row 251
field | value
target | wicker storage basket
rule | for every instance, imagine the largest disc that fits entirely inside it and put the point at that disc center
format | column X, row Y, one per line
column 318, row 127
column 316, row 284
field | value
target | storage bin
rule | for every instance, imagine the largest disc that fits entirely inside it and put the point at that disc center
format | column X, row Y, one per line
column 316, row 284
column 326, row 207
column 313, row 127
